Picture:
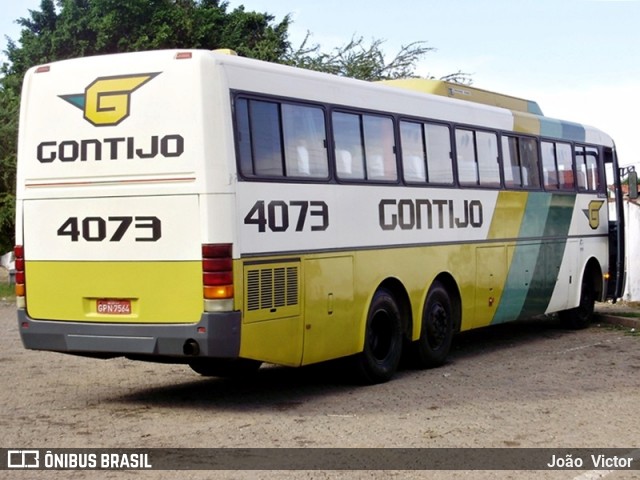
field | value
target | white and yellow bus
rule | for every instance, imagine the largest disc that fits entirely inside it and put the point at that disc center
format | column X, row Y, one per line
column 199, row 207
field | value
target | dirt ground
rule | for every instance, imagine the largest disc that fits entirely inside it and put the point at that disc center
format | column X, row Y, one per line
column 529, row 384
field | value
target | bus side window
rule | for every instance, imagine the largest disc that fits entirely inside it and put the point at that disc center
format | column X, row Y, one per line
column 244, row 136
column 488, row 166
column 379, row 148
column 265, row 133
column 258, row 132
column 520, row 158
column 426, row 153
column 565, row 166
column 466, row 157
column 581, row 172
column 439, row 161
column 304, row 138
column 588, row 178
column 281, row 140
column 413, row 152
column 557, row 163
column 364, row 147
column 348, row 146
column 529, row 161
column 513, row 177
column 549, row 166
column 593, row 172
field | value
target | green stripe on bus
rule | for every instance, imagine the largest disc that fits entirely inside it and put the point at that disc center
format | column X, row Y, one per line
column 535, row 262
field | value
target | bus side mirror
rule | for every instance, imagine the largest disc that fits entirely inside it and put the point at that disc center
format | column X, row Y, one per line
column 633, row 185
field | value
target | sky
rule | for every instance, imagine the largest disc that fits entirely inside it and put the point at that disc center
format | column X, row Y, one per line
column 579, row 59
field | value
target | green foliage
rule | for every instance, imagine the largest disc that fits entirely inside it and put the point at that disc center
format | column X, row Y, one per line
column 78, row 28
column 356, row 59
column 9, row 112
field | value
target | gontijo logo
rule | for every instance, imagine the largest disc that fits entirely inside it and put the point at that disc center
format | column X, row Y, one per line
column 107, row 100
column 593, row 213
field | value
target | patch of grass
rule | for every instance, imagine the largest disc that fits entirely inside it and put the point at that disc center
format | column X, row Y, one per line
column 627, row 314
column 7, row 291
column 634, row 332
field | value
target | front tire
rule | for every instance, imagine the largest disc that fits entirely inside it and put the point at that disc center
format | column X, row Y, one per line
column 379, row 359
column 581, row 316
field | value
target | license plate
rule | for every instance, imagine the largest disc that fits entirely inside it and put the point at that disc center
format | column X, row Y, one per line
column 108, row 306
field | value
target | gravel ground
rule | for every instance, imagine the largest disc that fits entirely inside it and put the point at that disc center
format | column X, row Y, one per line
column 529, row 384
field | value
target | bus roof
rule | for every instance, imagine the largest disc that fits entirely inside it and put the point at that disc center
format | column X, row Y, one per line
column 465, row 92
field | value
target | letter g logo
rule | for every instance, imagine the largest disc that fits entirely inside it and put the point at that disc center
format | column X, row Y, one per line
column 593, row 213
column 107, row 100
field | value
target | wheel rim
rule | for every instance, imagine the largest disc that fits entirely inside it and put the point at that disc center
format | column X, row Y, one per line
column 381, row 335
column 437, row 326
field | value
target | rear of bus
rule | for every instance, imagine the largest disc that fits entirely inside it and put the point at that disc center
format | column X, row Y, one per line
column 124, row 208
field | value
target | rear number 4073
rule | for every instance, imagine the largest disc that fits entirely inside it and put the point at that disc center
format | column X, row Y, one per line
column 113, row 229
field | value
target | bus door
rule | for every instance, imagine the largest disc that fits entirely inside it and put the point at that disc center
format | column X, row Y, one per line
column 616, row 227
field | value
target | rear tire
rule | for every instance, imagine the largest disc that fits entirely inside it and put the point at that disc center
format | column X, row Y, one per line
column 581, row 316
column 379, row 359
column 432, row 348
column 225, row 367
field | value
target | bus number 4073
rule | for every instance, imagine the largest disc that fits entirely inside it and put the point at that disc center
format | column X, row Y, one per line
column 113, row 229
column 279, row 215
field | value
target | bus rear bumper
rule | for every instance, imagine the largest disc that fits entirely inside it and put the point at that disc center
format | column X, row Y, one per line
column 216, row 335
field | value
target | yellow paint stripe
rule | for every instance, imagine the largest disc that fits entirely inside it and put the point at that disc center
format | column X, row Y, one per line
column 526, row 123
column 508, row 215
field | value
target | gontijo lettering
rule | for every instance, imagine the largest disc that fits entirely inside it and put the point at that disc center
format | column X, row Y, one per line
column 409, row 214
column 118, row 148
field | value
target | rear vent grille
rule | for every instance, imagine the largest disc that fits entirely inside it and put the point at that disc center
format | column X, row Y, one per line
column 269, row 288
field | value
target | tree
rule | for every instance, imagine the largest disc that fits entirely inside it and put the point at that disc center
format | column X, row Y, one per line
column 356, row 59
column 9, row 110
column 78, row 28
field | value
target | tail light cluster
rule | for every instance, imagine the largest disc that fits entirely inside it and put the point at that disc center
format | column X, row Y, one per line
column 217, row 267
column 21, row 288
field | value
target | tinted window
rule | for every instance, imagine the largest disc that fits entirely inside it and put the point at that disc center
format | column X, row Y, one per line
column 477, row 158
column 520, row 162
column 426, row 153
column 281, row 140
column 364, row 147
column 587, row 172
column 557, row 164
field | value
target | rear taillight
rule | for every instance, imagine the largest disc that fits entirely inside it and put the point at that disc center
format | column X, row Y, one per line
column 217, row 271
column 21, row 288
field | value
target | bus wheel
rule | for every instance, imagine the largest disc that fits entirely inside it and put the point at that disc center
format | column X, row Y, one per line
column 581, row 316
column 224, row 367
column 383, row 341
column 432, row 348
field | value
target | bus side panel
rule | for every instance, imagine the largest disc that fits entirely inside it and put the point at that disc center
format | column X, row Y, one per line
column 276, row 341
column 330, row 321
